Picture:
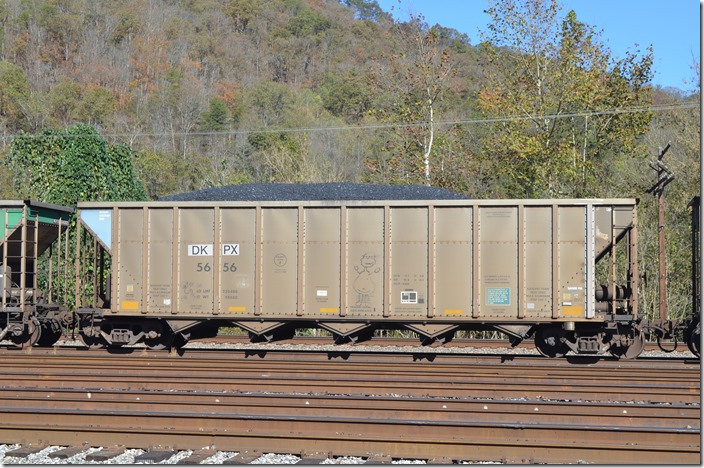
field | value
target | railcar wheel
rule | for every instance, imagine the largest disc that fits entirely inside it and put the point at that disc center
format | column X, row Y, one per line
column 550, row 342
column 159, row 336
column 51, row 332
column 49, row 337
column 26, row 335
column 168, row 340
column 164, row 341
column 631, row 344
column 694, row 339
column 441, row 339
column 425, row 340
column 364, row 335
column 92, row 342
column 181, row 339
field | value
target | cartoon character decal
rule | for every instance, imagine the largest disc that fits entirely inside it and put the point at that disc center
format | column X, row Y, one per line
column 364, row 284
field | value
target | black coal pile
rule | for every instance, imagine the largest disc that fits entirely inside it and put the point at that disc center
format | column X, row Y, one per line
column 323, row 191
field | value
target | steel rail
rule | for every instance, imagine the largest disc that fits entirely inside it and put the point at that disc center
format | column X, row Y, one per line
column 397, row 437
column 658, row 383
column 478, row 343
column 479, row 388
column 437, row 409
column 214, row 365
column 464, row 408
column 277, row 366
column 373, row 384
column 357, row 355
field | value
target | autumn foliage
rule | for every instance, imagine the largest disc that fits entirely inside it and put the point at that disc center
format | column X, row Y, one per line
column 162, row 96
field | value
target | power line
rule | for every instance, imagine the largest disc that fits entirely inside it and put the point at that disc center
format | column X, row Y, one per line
column 379, row 126
column 582, row 114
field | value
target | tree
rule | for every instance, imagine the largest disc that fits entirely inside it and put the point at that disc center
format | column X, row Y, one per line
column 346, row 95
column 96, row 105
column 167, row 173
column 63, row 21
column 4, row 16
column 415, row 84
column 366, row 9
column 299, row 44
column 557, row 94
column 14, row 90
column 63, row 99
column 242, row 12
column 271, row 103
column 176, row 109
column 216, row 117
column 680, row 127
column 71, row 165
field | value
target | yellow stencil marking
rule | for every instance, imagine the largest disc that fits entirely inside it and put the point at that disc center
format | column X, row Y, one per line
column 573, row 310
column 454, row 311
column 130, row 305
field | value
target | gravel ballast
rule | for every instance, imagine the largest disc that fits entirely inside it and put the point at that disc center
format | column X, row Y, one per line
column 129, row 457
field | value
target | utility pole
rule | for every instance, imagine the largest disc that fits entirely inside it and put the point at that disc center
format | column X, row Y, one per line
column 665, row 176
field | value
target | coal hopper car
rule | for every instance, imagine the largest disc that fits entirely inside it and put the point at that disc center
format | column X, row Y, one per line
column 564, row 272
column 34, row 272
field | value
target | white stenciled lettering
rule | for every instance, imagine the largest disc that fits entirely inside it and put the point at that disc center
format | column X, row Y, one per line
column 230, row 249
column 200, row 250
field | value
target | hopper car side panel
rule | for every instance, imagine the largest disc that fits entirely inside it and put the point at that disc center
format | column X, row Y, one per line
column 564, row 272
column 431, row 266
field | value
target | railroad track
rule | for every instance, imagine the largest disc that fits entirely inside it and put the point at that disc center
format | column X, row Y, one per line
column 424, row 406
column 281, row 371
column 483, row 343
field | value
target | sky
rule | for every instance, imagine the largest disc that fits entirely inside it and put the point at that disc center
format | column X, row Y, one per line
column 672, row 27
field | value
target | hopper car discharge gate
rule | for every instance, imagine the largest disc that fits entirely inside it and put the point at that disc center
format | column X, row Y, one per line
column 564, row 272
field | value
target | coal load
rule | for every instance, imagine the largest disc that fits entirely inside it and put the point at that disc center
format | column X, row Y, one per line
column 321, row 191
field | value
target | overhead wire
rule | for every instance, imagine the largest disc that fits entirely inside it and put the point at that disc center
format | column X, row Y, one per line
column 375, row 126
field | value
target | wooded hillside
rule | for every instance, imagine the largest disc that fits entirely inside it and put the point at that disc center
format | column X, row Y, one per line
column 200, row 93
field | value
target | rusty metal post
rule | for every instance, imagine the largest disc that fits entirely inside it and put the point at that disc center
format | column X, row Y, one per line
column 696, row 258
column 78, row 278
column 23, row 257
column 6, row 282
column 662, row 275
column 66, row 279
column 96, row 278
column 665, row 176
column 661, row 234
column 634, row 275
column 35, row 258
